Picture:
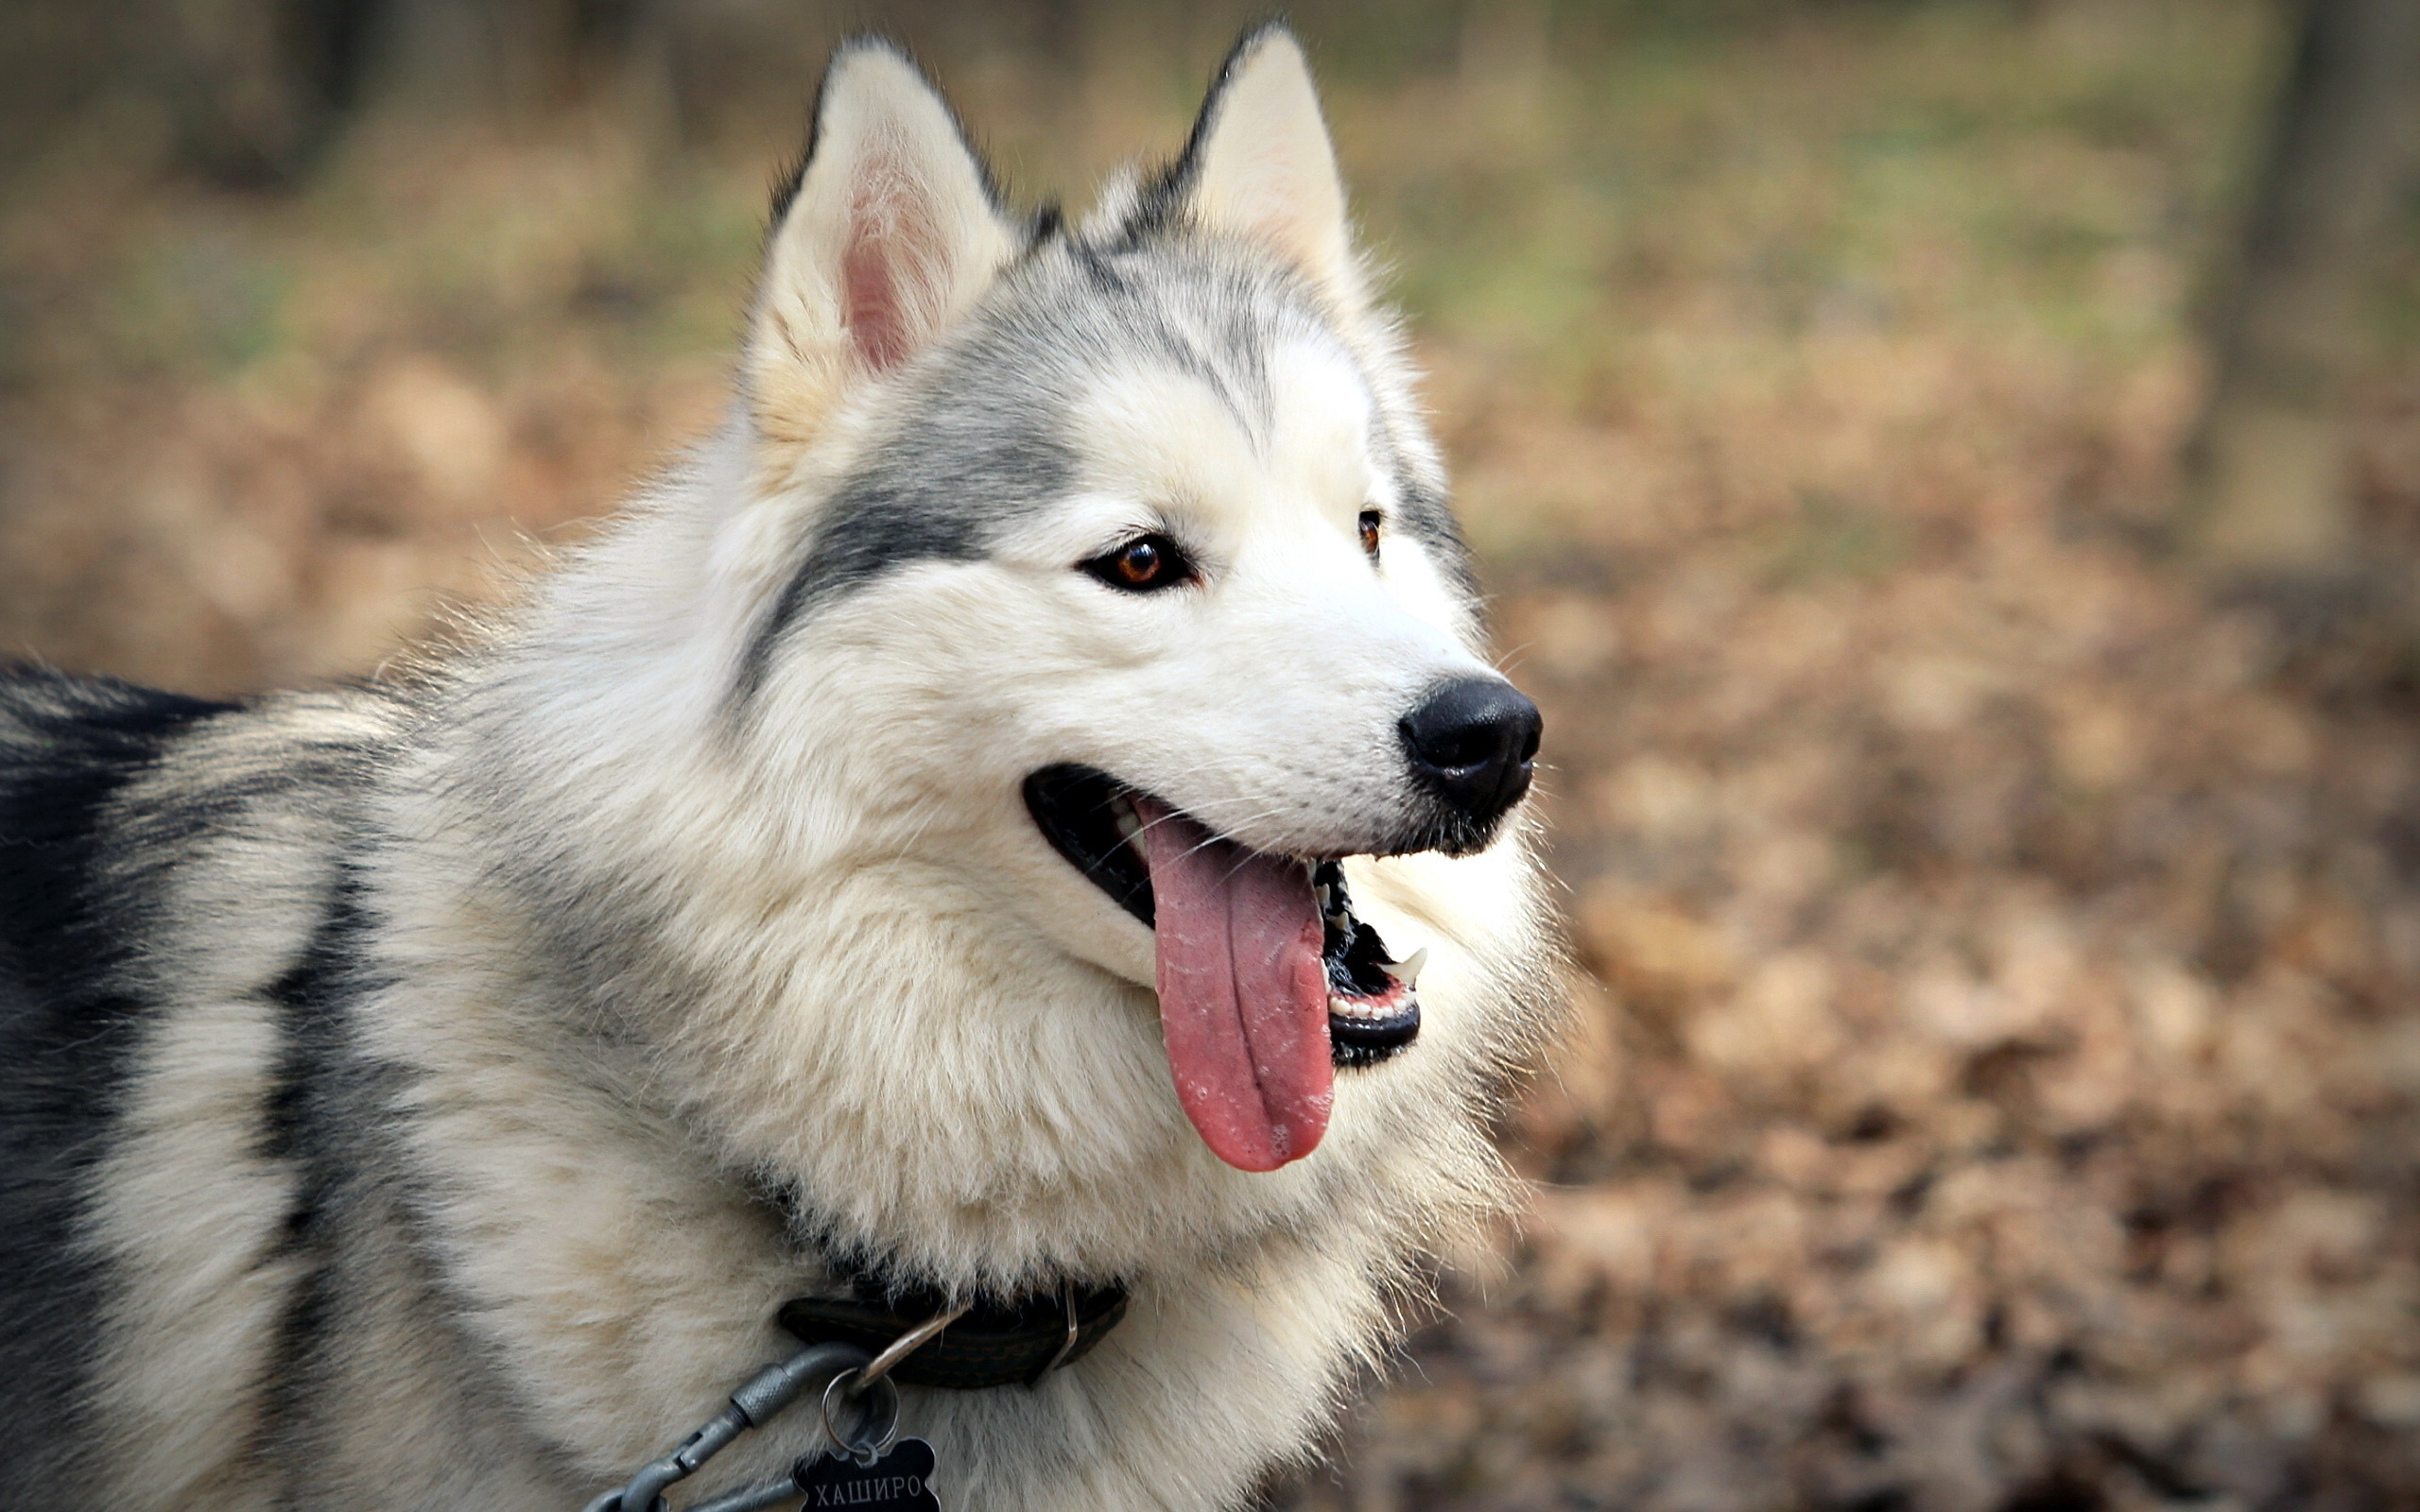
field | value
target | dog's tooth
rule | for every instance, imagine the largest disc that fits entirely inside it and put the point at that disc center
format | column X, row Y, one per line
column 1322, row 890
column 1130, row 824
column 1407, row 971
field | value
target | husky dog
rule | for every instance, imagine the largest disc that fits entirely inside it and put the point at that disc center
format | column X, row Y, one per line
column 1019, row 819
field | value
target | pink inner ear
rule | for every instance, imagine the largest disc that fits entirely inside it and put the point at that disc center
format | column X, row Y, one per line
column 890, row 268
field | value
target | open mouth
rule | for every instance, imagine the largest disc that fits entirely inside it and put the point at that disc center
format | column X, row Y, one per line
column 1374, row 1011
column 1262, row 966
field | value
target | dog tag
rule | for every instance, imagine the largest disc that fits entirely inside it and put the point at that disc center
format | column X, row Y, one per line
column 900, row 1480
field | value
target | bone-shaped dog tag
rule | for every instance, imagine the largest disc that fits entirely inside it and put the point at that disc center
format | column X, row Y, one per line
column 900, row 1480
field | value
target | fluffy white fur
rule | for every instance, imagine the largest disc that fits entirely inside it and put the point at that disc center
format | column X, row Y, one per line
column 813, row 937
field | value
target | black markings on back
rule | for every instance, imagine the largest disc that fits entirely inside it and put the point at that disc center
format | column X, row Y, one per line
column 310, row 1002
column 325, row 1112
column 69, row 1019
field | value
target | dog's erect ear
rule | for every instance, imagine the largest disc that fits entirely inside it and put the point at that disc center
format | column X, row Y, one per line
column 889, row 234
column 1259, row 163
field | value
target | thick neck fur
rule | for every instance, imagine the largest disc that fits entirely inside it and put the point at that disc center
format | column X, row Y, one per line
column 791, row 951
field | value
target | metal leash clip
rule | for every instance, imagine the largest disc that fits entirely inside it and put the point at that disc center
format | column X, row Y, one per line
column 764, row 1396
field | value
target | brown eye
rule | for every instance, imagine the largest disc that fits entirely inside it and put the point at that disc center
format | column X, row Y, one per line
column 1139, row 565
column 1370, row 533
column 1142, row 565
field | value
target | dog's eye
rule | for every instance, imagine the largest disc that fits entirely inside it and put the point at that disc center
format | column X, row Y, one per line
column 1142, row 565
column 1370, row 533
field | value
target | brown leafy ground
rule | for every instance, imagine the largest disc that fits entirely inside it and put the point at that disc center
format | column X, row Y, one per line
column 1998, row 1072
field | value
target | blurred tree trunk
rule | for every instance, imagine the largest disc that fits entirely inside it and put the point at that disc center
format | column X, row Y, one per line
column 487, row 57
column 2267, row 493
column 258, row 89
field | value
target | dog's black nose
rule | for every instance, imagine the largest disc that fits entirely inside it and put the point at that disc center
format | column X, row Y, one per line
column 1471, row 743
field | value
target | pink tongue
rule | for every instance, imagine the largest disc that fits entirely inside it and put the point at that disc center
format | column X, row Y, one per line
column 1243, row 994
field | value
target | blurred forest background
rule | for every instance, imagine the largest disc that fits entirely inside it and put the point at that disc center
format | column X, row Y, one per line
column 1950, row 469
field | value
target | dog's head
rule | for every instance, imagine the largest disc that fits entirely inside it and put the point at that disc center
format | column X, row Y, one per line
column 1083, row 619
column 1125, row 539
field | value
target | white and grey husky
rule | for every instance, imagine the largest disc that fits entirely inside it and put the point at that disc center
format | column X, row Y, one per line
column 1018, row 820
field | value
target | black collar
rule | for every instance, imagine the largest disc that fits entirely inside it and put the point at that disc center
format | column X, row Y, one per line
column 991, row 1345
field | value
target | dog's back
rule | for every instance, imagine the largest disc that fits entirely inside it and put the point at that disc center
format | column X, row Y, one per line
column 71, row 1017
column 165, row 864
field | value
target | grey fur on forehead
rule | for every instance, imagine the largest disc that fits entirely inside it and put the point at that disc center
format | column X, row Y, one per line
column 982, row 439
